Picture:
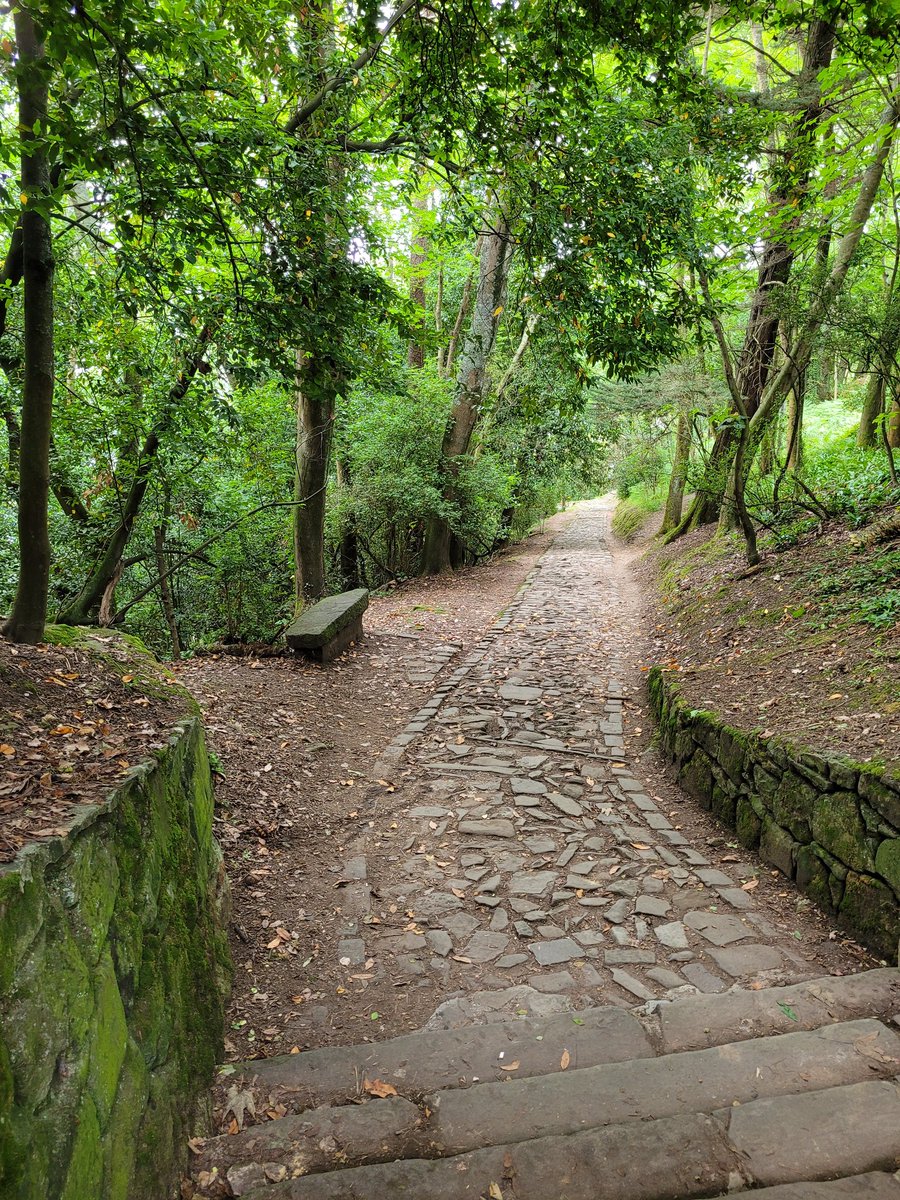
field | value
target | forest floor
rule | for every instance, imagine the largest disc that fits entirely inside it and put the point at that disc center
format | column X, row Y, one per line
column 805, row 645
column 338, row 785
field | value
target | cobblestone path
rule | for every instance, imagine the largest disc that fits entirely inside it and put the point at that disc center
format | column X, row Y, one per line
column 533, row 868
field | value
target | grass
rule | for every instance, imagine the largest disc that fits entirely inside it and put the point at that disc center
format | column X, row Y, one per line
column 634, row 509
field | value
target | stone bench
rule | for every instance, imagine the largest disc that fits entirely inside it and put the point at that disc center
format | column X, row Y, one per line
column 325, row 630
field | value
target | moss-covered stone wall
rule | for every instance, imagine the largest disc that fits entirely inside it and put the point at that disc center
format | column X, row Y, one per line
column 830, row 824
column 114, row 970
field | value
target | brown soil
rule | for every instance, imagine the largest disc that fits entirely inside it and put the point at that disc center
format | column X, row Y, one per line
column 71, row 725
column 783, row 649
column 297, row 745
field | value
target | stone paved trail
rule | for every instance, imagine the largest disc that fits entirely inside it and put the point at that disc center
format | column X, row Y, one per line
column 521, row 845
column 612, row 1017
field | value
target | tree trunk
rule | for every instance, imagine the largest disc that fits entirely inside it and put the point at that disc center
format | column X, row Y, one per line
column 349, row 552
column 675, row 497
column 316, row 396
column 465, row 305
column 165, row 591
column 83, row 610
column 29, row 613
column 796, row 364
column 873, row 406
column 760, row 338
column 417, row 258
column 494, row 264
column 796, row 401
column 893, row 424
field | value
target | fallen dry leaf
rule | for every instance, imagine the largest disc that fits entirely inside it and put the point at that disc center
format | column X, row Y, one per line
column 565, row 1060
column 377, row 1087
column 513, row 1066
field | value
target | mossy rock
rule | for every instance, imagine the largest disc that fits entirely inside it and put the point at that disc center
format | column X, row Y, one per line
column 887, row 864
column 838, row 826
column 869, row 909
column 814, row 878
column 885, row 800
column 723, row 806
column 777, row 847
column 733, row 754
column 793, row 805
column 748, row 823
column 696, row 778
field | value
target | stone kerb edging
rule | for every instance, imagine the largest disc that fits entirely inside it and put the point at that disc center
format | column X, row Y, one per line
column 114, row 969
column 830, row 824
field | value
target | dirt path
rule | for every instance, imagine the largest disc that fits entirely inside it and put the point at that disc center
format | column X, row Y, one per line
column 433, row 829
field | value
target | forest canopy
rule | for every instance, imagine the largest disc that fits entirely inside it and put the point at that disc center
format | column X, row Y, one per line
column 301, row 298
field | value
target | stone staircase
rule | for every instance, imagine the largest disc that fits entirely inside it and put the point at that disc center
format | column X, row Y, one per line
column 792, row 1090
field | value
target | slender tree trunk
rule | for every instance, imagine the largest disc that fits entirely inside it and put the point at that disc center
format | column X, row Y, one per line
column 439, row 316
column 29, row 613
column 675, row 497
column 797, row 363
column 465, row 305
column 796, row 402
column 788, row 191
column 494, row 263
column 873, row 406
column 417, row 258
column 84, row 609
column 165, row 591
column 316, row 398
column 893, row 424
column 349, row 553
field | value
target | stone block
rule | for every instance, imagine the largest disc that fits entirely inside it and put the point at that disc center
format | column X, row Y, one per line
column 793, row 804
column 869, row 908
column 837, row 825
column 724, row 806
column 747, row 823
column 884, row 799
column 696, row 778
column 887, row 864
column 733, row 754
column 813, row 877
column 777, row 847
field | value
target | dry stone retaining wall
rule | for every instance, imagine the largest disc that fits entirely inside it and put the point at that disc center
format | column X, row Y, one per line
column 831, row 824
column 113, row 975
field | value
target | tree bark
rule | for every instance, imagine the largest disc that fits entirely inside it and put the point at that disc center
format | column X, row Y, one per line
column 84, row 609
column 315, row 399
column 165, row 591
column 675, row 497
column 760, row 338
column 493, row 271
column 417, row 258
column 29, row 613
column 796, row 364
column 465, row 305
column 873, row 406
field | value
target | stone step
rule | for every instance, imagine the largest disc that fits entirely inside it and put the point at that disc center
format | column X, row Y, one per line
column 874, row 1185
column 457, row 1120
column 442, row 1059
column 821, row 1135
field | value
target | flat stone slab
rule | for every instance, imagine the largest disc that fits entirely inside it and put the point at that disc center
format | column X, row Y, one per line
column 717, row 927
column 651, row 906
column 527, row 787
column 565, row 804
column 746, row 960
column 318, row 624
column 531, row 883
column 559, row 950
column 490, row 827
column 485, row 946
column 518, row 692
column 672, row 935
